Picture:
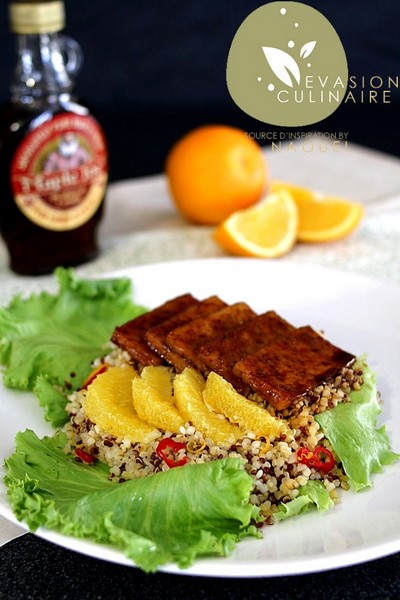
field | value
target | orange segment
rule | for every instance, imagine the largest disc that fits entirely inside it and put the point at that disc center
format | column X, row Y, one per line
column 108, row 404
column 188, row 388
column 266, row 230
column 220, row 396
column 152, row 405
column 161, row 379
column 322, row 218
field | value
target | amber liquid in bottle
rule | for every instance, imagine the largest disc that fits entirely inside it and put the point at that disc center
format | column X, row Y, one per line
column 53, row 162
column 35, row 250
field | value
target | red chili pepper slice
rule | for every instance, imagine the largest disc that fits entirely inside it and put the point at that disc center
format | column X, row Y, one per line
column 168, row 449
column 85, row 456
column 321, row 458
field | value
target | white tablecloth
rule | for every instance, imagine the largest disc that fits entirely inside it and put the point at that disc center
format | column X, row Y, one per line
column 141, row 224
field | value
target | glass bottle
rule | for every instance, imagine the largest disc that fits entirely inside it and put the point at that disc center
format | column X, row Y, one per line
column 53, row 154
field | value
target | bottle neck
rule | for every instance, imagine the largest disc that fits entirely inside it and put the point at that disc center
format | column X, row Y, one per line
column 41, row 72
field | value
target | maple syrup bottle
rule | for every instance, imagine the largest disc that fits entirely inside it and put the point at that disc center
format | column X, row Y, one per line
column 53, row 153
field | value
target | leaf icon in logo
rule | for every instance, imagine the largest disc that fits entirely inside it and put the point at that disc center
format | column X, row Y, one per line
column 282, row 64
column 307, row 49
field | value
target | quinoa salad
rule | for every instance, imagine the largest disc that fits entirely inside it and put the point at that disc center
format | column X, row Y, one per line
column 273, row 463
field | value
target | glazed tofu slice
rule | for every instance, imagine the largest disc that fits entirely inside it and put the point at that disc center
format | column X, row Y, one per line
column 221, row 355
column 156, row 336
column 286, row 369
column 187, row 339
column 131, row 335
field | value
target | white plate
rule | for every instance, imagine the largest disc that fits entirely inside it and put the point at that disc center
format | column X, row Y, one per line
column 357, row 313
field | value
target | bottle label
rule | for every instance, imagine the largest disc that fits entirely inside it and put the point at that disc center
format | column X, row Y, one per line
column 59, row 172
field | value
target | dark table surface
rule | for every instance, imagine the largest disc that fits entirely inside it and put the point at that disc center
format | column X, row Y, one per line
column 34, row 569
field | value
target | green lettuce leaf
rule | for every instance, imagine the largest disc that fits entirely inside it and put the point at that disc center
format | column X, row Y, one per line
column 53, row 401
column 351, row 429
column 58, row 336
column 312, row 494
column 178, row 515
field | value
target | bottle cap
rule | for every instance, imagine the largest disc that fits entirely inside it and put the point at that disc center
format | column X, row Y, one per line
column 32, row 16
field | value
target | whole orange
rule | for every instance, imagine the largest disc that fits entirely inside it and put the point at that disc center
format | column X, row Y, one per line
column 214, row 171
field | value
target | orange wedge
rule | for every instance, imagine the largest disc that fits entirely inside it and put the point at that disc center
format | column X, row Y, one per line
column 322, row 218
column 266, row 230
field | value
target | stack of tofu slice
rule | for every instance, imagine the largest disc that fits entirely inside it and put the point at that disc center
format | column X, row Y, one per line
column 262, row 354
